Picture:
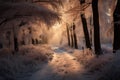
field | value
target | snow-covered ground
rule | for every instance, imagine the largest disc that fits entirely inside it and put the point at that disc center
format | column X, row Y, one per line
column 55, row 63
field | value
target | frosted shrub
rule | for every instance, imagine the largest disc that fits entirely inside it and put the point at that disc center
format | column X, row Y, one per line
column 13, row 67
column 90, row 61
column 111, row 71
column 83, row 56
column 41, row 53
column 23, row 63
column 97, row 63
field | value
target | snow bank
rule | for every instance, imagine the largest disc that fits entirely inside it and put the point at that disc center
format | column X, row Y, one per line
column 90, row 61
column 111, row 71
column 39, row 63
column 24, row 63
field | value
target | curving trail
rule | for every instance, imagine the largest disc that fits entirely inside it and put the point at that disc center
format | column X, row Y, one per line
column 63, row 66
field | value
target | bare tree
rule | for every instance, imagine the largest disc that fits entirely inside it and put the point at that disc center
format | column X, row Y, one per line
column 75, row 37
column 16, row 46
column 85, row 28
column 97, row 44
column 68, row 34
column 116, row 15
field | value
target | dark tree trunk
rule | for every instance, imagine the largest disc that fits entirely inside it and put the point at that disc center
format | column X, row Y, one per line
column 72, row 39
column 16, row 44
column 36, row 40
column 8, row 34
column 1, row 45
column 74, row 36
column 33, row 41
column 85, row 28
column 97, row 44
column 68, row 34
column 91, row 34
column 116, row 15
column 16, row 48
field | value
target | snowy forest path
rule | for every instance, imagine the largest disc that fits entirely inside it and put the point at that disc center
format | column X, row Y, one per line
column 63, row 66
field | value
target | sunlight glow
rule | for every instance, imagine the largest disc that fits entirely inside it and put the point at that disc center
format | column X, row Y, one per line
column 109, row 12
column 64, row 64
column 57, row 25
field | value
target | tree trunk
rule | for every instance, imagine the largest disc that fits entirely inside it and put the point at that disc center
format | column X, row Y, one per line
column 116, row 15
column 16, row 44
column 72, row 39
column 85, row 28
column 74, row 36
column 68, row 34
column 97, row 44
column 16, row 48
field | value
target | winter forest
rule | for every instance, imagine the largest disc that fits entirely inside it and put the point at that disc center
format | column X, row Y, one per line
column 59, row 40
